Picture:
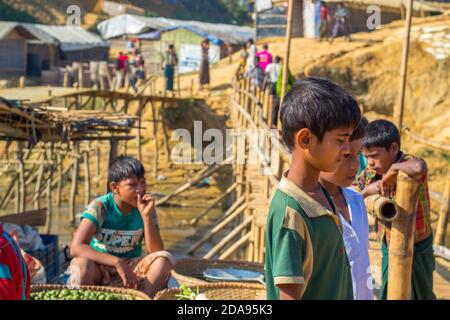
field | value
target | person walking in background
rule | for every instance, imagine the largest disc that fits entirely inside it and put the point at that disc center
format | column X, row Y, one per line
column 251, row 55
column 272, row 73
column 324, row 18
column 204, row 65
column 121, row 67
column 256, row 75
column 265, row 58
column 243, row 55
column 341, row 24
column 170, row 60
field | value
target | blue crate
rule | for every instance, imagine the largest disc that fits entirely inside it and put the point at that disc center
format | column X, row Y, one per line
column 49, row 256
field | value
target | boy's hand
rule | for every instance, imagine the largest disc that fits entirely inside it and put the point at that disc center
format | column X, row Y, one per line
column 126, row 274
column 389, row 183
column 371, row 189
column 146, row 204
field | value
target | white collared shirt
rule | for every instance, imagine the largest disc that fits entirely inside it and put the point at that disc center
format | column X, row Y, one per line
column 356, row 240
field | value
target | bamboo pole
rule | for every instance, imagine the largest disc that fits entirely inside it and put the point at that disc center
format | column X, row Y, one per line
column 441, row 230
column 195, row 220
column 165, row 134
column 60, row 180
column 22, row 191
column 262, row 244
column 399, row 106
column 87, row 179
column 401, row 245
column 112, row 155
column 235, row 246
column 287, row 49
column 230, row 236
column 17, row 195
column 48, row 198
column 80, row 76
column 155, row 140
column 73, row 190
column 217, row 228
column 38, row 186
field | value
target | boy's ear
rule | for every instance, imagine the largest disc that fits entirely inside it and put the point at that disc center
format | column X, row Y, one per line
column 394, row 148
column 303, row 138
column 113, row 186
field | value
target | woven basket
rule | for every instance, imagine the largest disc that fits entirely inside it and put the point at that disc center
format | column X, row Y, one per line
column 220, row 291
column 190, row 271
column 138, row 295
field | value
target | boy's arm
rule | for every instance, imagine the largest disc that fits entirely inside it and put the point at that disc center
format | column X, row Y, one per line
column 415, row 168
column 290, row 291
column 80, row 245
column 146, row 207
column 373, row 188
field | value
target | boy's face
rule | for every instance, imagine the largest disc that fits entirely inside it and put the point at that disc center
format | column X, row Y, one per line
column 347, row 169
column 380, row 159
column 326, row 155
column 128, row 189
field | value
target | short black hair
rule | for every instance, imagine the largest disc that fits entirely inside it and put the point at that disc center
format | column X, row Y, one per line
column 358, row 132
column 250, row 41
column 381, row 133
column 171, row 46
column 319, row 105
column 124, row 167
column 277, row 59
column 266, row 46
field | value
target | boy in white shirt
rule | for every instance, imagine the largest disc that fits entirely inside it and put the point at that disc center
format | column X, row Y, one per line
column 272, row 73
column 353, row 214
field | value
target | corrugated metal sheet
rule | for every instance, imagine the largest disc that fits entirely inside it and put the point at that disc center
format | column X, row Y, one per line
column 68, row 37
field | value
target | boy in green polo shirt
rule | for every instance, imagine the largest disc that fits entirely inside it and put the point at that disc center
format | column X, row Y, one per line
column 305, row 253
column 107, row 246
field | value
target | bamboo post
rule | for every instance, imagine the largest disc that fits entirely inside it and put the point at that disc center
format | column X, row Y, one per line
column 87, row 179
column 73, row 190
column 97, row 162
column 192, row 87
column 22, row 82
column 138, row 137
column 165, row 134
column 401, row 245
column 399, row 106
column 60, row 180
column 441, row 230
column 38, row 186
column 112, row 155
column 155, row 139
column 66, row 78
column 17, row 194
column 48, row 197
column 80, row 76
column 22, row 194
column 287, row 49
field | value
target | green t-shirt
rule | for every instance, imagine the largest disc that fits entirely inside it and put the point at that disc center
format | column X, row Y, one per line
column 117, row 234
column 304, row 246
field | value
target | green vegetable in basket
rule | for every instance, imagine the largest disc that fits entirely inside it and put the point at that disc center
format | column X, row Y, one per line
column 66, row 294
column 186, row 293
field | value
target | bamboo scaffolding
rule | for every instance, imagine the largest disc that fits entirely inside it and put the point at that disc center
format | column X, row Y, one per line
column 444, row 212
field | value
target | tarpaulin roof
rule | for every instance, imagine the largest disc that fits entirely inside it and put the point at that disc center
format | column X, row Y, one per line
column 70, row 38
column 128, row 24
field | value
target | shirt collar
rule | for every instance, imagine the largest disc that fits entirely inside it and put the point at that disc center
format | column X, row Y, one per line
column 312, row 208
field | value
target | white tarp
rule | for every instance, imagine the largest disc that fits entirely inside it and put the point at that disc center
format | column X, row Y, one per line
column 128, row 24
column 262, row 5
column 191, row 57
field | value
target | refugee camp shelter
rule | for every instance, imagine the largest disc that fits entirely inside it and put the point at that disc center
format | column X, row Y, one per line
column 156, row 33
column 24, row 50
column 271, row 14
column 29, row 49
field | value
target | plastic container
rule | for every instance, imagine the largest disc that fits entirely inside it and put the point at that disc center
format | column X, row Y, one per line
column 49, row 256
